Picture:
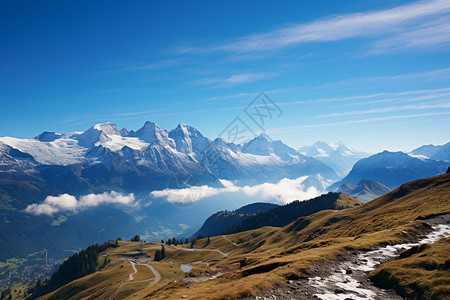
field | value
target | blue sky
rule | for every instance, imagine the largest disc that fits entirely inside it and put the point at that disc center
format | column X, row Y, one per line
column 375, row 74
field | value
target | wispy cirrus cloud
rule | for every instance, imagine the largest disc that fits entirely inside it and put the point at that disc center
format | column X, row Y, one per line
column 145, row 66
column 358, row 121
column 386, row 109
column 137, row 113
column 405, row 26
column 235, row 79
column 433, row 35
column 439, row 75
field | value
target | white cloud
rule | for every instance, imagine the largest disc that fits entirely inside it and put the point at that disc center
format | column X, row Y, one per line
column 403, row 25
column 360, row 121
column 387, row 109
column 66, row 202
column 432, row 35
column 439, row 75
column 285, row 191
column 41, row 209
column 235, row 79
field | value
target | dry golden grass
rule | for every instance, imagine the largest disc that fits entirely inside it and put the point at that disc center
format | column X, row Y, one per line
column 421, row 275
column 272, row 255
column 126, row 247
column 186, row 257
column 276, row 254
column 348, row 201
column 100, row 285
column 143, row 273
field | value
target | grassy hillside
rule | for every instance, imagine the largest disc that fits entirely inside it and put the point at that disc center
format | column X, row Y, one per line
column 218, row 222
column 421, row 273
column 283, row 215
column 260, row 259
column 274, row 255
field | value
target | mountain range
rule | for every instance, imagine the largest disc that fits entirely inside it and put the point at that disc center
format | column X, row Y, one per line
column 365, row 190
column 440, row 152
column 146, row 159
column 392, row 169
column 48, row 182
column 103, row 160
column 338, row 156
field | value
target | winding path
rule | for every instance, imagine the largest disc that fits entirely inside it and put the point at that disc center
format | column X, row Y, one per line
column 225, row 237
column 134, row 268
column 153, row 281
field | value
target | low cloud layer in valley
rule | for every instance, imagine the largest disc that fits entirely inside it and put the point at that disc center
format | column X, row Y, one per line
column 283, row 191
column 66, row 202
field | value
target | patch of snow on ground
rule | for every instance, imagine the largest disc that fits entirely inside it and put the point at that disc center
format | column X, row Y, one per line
column 349, row 287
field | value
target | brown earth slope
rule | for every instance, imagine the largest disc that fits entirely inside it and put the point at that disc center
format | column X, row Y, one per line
column 256, row 260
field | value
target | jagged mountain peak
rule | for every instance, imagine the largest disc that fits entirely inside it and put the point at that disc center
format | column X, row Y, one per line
column 260, row 145
column 185, row 130
column 264, row 136
column 107, row 128
column 338, row 156
column 152, row 133
column 365, row 190
column 188, row 139
column 263, row 145
column 124, row 132
column 96, row 133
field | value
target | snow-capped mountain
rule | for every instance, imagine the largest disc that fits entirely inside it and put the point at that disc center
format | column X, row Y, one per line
column 440, row 152
column 337, row 156
column 104, row 159
column 392, row 169
column 188, row 139
column 265, row 146
column 104, row 156
column 151, row 133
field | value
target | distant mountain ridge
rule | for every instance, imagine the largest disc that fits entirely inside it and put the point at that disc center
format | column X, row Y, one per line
column 365, row 190
column 218, row 222
column 440, row 152
column 392, row 169
column 337, row 156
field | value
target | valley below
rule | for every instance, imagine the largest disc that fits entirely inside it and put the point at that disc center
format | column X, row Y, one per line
column 364, row 251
